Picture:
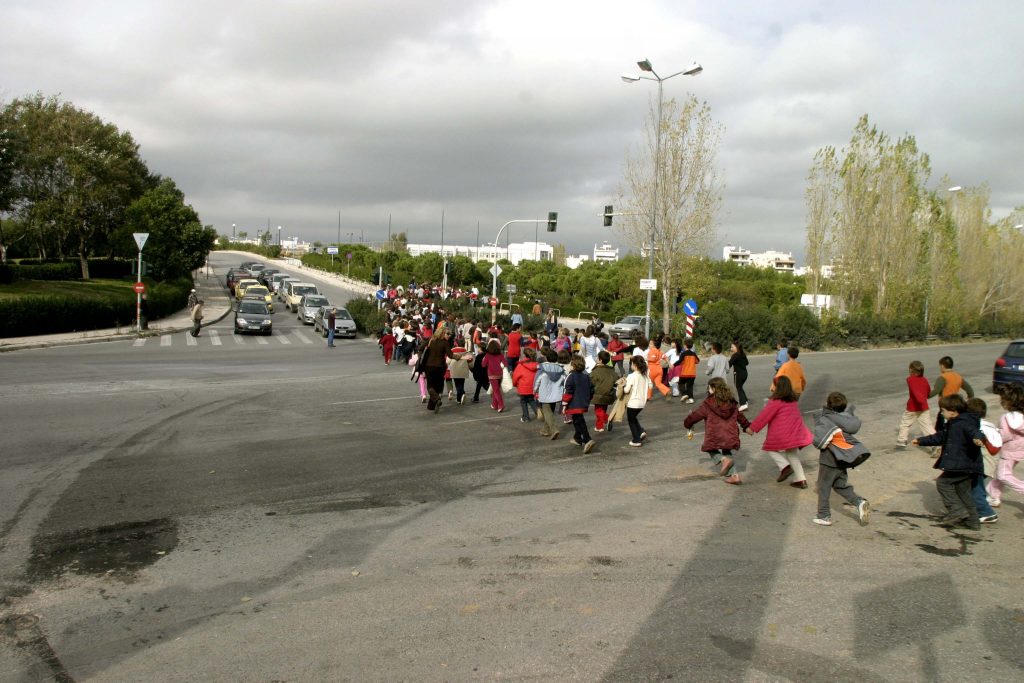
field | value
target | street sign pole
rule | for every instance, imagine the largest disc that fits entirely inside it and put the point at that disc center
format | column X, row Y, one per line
column 140, row 240
column 496, row 270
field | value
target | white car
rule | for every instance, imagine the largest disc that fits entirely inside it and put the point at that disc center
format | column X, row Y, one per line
column 295, row 292
column 282, row 290
column 308, row 306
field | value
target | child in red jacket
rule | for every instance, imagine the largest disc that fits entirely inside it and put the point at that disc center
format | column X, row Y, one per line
column 721, row 433
column 917, row 405
column 522, row 378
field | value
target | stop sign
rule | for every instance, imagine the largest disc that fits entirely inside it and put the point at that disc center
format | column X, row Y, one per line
column 140, row 287
column 493, row 301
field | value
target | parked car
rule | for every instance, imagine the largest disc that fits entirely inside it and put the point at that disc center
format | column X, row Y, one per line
column 275, row 281
column 295, row 292
column 245, row 284
column 1009, row 367
column 233, row 276
column 253, row 316
column 344, row 324
column 255, row 269
column 308, row 306
column 265, row 275
column 629, row 326
column 260, row 293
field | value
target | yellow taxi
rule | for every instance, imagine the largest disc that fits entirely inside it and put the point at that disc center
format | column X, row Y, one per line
column 260, row 293
column 243, row 285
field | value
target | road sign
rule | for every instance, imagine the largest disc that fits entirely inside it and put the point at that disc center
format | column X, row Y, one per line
column 140, row 287
column 510, row 288
column 381, row 294
column 690, row 307
column 349, row 256
column 495, row 270
column 332, row 250
column 140, row 239
column 493, row 301
column 646, row 284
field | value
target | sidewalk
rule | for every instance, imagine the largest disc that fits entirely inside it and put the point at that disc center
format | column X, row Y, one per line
column 209, row 287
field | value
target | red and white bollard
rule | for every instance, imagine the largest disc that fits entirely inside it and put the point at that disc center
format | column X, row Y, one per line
column 689, row 325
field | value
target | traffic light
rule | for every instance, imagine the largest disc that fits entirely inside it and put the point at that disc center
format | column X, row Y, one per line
column 552, row 220
column 608, row 210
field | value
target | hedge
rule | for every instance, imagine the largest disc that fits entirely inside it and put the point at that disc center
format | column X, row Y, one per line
column 53, row 313
column 65, row 269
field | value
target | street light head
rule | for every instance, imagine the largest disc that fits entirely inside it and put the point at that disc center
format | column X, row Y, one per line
column 630, row 78
column 693, row 69
column 645, row 65
column 1018, row 226
column 955, row 188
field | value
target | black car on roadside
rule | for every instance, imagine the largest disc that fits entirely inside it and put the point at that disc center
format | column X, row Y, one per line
column 265, row 276
column 1009, row 367
column 253, row 316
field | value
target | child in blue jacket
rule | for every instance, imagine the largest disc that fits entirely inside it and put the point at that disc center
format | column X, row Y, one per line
column 576, row 399
column 960, row 461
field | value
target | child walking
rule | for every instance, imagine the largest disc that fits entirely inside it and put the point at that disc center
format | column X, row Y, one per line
column 687, row 371
column 547, row 386
column 787, row 433
column 917, row 411
column 1011, row 429
column 603, row 378
column 991, row 444
column 387, row 345
column 635, row 390
column 833, row 434
column 578, row 392
column 960, row 461
column 458, row 370
column 722, row 429
column 523, row 377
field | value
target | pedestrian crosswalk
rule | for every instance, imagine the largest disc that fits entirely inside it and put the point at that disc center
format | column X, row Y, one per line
column 211, row 337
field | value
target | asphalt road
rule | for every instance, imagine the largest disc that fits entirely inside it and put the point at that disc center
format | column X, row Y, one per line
column 258, row 512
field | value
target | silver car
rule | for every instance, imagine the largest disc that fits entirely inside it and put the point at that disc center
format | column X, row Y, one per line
column 344, row 325
column 629, row 326
column 309, row 305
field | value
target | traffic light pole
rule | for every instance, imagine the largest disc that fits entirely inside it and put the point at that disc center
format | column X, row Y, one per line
column 494, row 271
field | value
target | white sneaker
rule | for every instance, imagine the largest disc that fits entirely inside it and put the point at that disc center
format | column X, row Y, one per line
column 743, row 407
column 689, row 400
column 863, row 511
column 826, row 521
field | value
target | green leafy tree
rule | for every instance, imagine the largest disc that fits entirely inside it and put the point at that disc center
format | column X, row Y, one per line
column 178, row 243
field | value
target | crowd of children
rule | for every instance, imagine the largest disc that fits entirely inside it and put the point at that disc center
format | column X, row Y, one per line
column 558, row 375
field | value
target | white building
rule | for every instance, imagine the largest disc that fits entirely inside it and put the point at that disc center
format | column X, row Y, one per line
column 736, row 255
column 605, row 252
column 514, row 252
column 575, row 261
column 781, row 261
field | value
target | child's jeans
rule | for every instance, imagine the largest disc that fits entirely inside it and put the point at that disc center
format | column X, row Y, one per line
column 833, row 479
column 922, row 419
column 633, row 418
column 460, row 388
column 602, row 416
column 686, row 386
column 547, row 411
column 529, row 405
column 980, row 498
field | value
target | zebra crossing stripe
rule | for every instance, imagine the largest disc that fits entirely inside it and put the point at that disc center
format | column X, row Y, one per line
column 305, row 339
column 139, row 342
column 215, row 337
column 190, row 340
column 165, row 340
column 239, row 339
column 262, row 341
column 283, row 339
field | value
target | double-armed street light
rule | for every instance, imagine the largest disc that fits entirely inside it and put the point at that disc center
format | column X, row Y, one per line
column 646, row 67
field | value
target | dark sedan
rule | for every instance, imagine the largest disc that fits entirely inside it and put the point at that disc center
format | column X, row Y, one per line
column 1009, row 366
column 253, row 316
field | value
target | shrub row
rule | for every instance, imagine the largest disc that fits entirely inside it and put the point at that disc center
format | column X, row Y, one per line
column 53, row 313
column 64, row 269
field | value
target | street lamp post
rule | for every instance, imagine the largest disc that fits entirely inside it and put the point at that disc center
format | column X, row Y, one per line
column 279, row 236
column 494, row 269
column 232, row 232
column 645, row 65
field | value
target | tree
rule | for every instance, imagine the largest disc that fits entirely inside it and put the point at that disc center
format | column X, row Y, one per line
column 689, row 190
column 178, row 243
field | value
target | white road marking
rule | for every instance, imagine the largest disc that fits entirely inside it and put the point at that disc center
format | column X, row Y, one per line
column 215, row 337
column 305, row 339
column 165, row 340
column 283, row 339
column 239, row 339
column 139, row 342
column 262, row 341
column 190, row 340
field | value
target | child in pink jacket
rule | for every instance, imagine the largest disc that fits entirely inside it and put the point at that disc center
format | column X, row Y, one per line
column 786, row 432
column 1011, row 428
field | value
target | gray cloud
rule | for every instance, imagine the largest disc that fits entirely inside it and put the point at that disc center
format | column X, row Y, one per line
column 498, row 110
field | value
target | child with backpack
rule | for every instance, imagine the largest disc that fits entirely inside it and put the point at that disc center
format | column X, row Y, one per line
column 603, row 378
column 839, row 450
column 722, row 427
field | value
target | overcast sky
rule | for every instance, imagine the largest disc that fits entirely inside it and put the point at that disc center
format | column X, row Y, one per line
column 291, row 111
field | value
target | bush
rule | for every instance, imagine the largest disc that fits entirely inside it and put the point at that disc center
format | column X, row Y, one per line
column 269, row 251
column 48, row 271
column 7, row 274
column 49, row 314
column 369, row 319
column 166, row 298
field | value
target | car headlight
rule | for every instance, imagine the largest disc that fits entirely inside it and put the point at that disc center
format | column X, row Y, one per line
column 267, row 321
column 241, row 321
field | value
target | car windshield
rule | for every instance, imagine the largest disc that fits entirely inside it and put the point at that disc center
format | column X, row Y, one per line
column 255, row 291
column 313, row 301
column 631, row 320
column 252, row 307
column 342, row 314
column 299, row 291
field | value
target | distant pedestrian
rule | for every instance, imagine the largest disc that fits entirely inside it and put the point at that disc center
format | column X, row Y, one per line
column 793, row 370
column 197, row 317
column 688, row 361
column 657, row 364
column 494, row 363
column 917, row 411
column 193, row 299
column 615, row 347
column 839, row 449
column 722, row 427
column 718, row 364
column 787, row 433
column 949, row 382
column 331, row 318
column 738, row 362
column 782, row 355
column 387, row 345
